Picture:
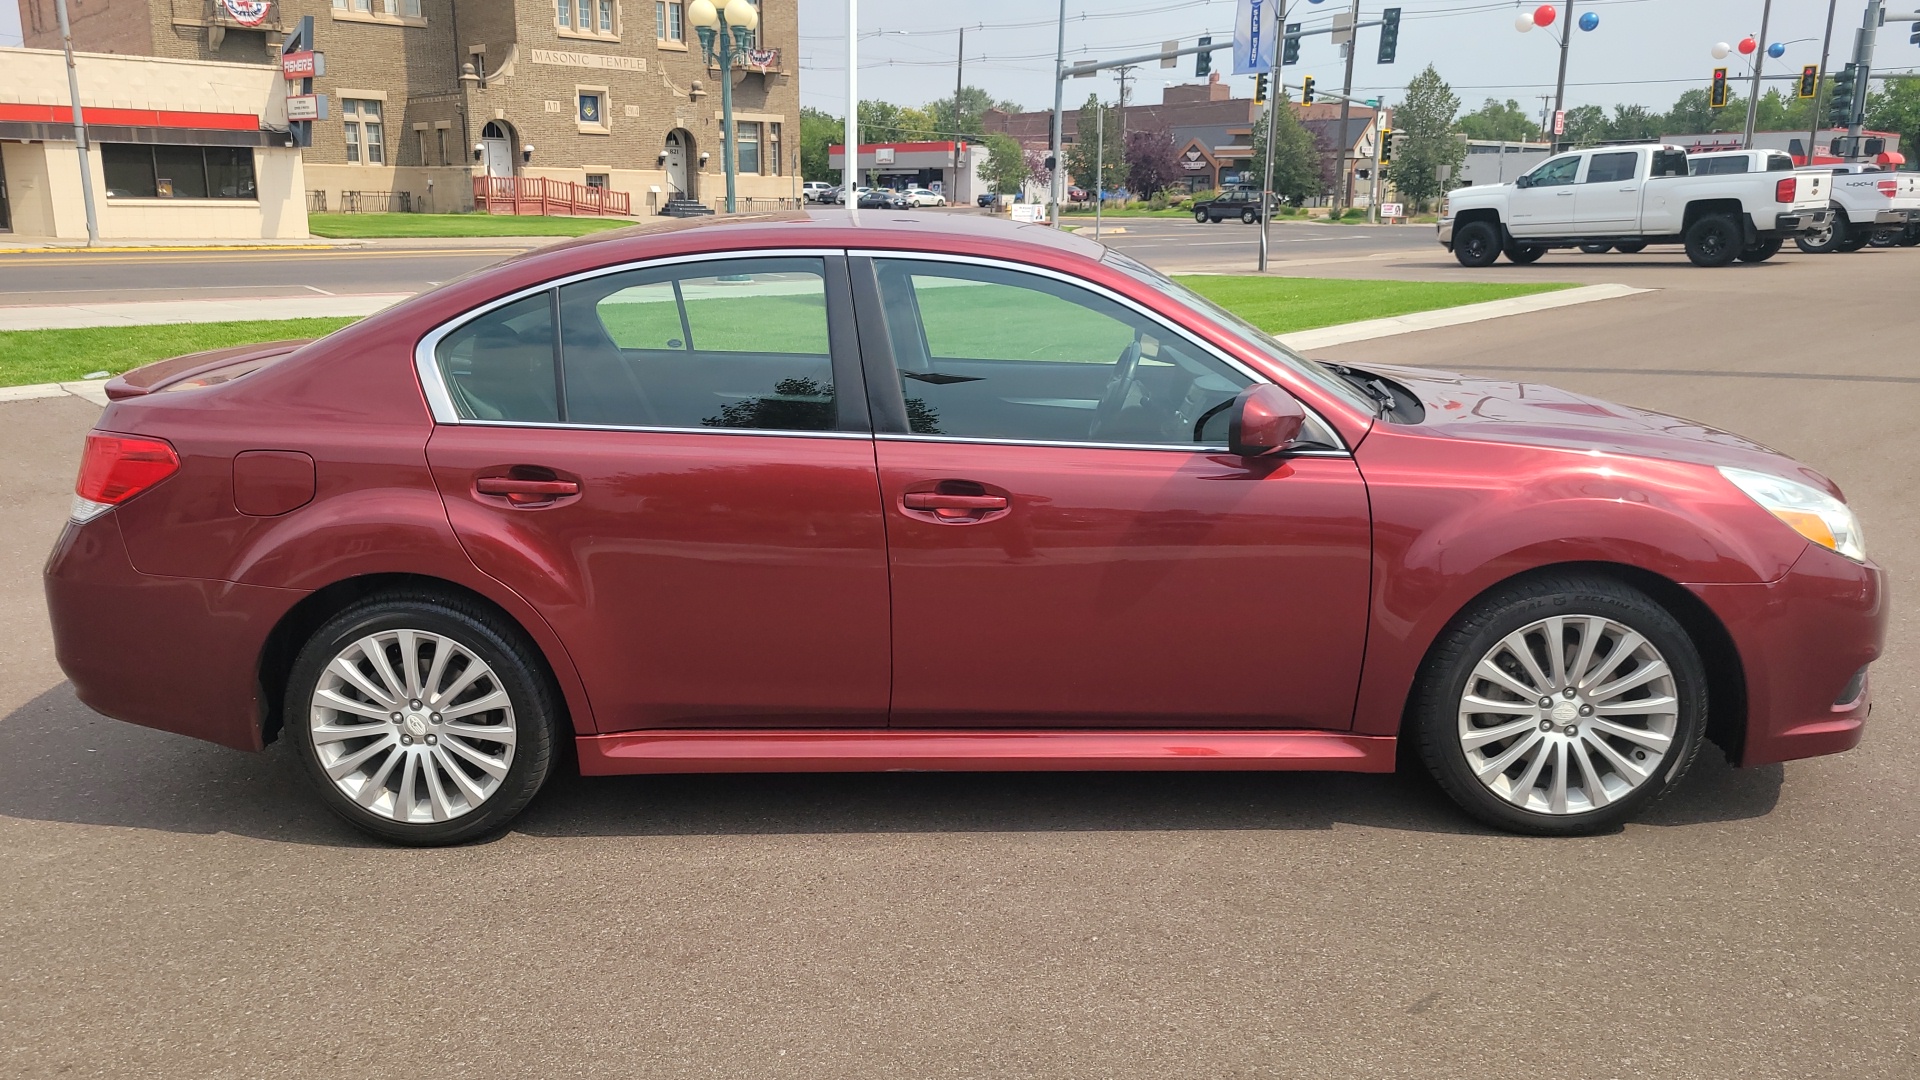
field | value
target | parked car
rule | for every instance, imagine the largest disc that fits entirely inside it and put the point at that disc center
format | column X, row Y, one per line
column 882, row 199
column 816, row 191
column 919, row 196
column 1076, row 193
column 987, row 199
column 1632, row 196
column 1870, row 204
column 792, row 495
column 1242, row 203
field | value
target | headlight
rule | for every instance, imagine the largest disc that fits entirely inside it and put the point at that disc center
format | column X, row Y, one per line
column 1811, row 512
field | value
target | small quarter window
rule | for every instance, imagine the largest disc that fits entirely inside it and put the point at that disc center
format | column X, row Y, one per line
column 500, row 365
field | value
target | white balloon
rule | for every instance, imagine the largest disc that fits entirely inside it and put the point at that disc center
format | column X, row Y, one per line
column 1722, row 50
column 1524, row 22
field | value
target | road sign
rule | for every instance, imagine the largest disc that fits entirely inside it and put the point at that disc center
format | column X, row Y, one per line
column 1342, row 27
column 1170, row 61
column 305, row 107
column 1560, row 122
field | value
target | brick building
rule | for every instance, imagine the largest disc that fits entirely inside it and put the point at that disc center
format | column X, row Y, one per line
column 425, row 95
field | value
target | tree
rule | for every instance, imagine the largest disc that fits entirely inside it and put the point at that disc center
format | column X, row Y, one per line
column 970, row 123
column 1152, row 161
column 1037, row 172
column 1587, row 125
column 1427, row 118
column 1296, row 160
column 1499, row 122
column 1006, row 168
column 1691, row 115
column 1086, row 142
column 1897, row 108
column 1634, row 122
column 818, row 131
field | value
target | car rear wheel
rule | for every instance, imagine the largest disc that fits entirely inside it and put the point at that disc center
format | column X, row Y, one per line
column 1631, row 247
column 1714, row 240
column 1856, row 239
column 1477, row 243
column 1762, row 251
column 1561, row 706
column 1825, row 239
column 1596, row 249
column 1524, row 254
column 421, row 719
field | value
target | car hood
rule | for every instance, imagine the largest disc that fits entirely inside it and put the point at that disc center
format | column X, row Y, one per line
column 1475, row 191
column 1536, row 414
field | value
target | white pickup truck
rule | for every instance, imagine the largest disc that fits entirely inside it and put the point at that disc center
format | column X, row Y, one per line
column 1870, row 205
column 1631, row 196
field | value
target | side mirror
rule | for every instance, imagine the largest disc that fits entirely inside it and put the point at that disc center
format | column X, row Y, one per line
column 1266, row 420
column 1524, row 182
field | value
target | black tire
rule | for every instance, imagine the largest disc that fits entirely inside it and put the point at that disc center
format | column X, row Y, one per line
column 1825, row 240
column 1596, row 249
column 1714, row 240
column 1631, row 247
column 1910, row 237
column 1200, row 216
column 1476, row 244
column 1856, row 239
column 1762, row 251
column 1524, row 254
column 521, row 674
column 1248, row 217
column 1459, row 650
column 1886, row 238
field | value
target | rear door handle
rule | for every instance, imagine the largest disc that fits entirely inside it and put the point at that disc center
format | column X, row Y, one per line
column 526, row 492
column 933, row 500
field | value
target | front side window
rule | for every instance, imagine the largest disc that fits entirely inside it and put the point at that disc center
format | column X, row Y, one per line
column 990, row 353
column 1558, row 172
column 500, row 365
column 1612, row 168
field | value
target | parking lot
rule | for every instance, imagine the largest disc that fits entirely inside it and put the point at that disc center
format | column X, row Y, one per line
column 172, row 908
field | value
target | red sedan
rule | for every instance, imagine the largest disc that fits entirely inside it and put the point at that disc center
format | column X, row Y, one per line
column 809, row 493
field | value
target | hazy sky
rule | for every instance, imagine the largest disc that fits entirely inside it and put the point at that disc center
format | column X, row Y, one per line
column 1644, row 51
column 10, row 25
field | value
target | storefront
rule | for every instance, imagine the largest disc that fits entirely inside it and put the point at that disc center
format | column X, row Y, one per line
column 179, row 149
column 918, row 164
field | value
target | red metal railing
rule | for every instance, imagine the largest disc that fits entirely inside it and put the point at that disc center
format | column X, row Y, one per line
column 537, row 195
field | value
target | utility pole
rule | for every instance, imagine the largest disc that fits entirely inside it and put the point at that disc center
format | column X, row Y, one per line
column 79, row 126
column 1759, row 55
column 1560, row 91
column 959, row 67
column 1125, row 73
column 1054, row 189
column 850, row 174
column 1820, row 84
column 1099, row 165
column 1346, row 108
column 1273, row 116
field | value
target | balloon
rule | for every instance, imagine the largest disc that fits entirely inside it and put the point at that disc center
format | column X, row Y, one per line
column 1545, row 14
column 1589, row 21
column 1523, row 22
column 1720, row 51
column 1747, row 45
column 1776, row 50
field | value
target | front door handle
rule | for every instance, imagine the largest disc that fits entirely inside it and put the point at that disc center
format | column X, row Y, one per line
column 954, row 508
column 526, row 492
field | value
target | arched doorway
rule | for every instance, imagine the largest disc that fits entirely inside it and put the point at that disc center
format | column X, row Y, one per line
column 679, row 155
column 496, row 139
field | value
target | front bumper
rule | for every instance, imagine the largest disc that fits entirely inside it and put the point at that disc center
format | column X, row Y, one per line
column 1445, row 229
column 1801, row 641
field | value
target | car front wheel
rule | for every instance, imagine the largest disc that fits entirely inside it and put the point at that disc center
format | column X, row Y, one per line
column 1476, row 244
column 422, row 719
column 1249, row 217
column 1200, row 216
column 1561, row 706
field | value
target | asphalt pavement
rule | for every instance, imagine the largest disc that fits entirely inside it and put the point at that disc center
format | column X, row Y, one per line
column 175, row 909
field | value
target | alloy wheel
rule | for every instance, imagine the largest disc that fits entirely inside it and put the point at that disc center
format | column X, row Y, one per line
column 1568, row 714
column 412, row 726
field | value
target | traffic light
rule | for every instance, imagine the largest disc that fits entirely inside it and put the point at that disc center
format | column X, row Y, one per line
column 1809, row 80
column 1386, row 146
column 1389, row 34
column 1260, row 89
column 1845, row 86
column 1717, row 99
column 1306, row 90
column 1203, row 61
column 1291, row 54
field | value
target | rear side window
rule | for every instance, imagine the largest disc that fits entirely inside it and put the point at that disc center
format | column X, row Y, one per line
column 1779, row 163
column 1612, row 168
column 500, row 365
column 1719, row 166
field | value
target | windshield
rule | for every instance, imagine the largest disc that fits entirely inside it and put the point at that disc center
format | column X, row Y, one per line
column 1259, row 340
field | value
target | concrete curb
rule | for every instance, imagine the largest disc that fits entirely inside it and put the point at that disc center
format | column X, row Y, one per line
column 163, row 312
column 94, row 390
column 1329, row 336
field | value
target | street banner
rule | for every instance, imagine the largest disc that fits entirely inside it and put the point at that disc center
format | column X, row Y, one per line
column 247, row 12
column 1255, row 33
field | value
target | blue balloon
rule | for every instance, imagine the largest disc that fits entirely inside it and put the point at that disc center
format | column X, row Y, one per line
column 1776, row 50
column 1589, row 21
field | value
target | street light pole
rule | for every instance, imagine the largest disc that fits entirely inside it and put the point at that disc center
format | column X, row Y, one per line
column 1054, row 189
column 1759, row 56
column 730, row 26
column 850, row 156
column 1560, row 90
column 79, row 125
column 1266, row 180
column 1346, row 109
column 1820, row 82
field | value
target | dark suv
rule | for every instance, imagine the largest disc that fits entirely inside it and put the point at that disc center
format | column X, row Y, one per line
column 1243, row 203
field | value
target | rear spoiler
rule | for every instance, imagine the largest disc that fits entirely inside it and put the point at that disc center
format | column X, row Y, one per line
column 142, row 381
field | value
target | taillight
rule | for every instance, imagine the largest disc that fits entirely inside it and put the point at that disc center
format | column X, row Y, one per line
column 115, row 468
column 1889, row 188
column 1785, row 190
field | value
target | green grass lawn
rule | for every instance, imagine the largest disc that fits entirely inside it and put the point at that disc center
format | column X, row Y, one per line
column 379, row 226
column 984, row 321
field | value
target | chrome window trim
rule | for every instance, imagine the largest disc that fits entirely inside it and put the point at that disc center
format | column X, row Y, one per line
column 1174, row 448
column 777, row 433
column 1339, row 448
column 440, row 399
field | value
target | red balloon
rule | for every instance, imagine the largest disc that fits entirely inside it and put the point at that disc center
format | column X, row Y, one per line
column 1747, row 45
column 1545, row 14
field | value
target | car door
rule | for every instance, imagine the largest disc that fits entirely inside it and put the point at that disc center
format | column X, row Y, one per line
column 1545, row 207
column 1609, row 194
column 688, row 497
column 1070, row 545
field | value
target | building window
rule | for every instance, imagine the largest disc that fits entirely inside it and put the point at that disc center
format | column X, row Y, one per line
column 597, row 180
column 670, row 20
column 441, row 136
column 566, row 14
column 773, row 149
column 364, row 145
column 747, row 138
column 178, row 172
column 590, row 110
column 606, row 16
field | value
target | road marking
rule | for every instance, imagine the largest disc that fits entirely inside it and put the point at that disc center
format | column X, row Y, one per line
column 318, row 289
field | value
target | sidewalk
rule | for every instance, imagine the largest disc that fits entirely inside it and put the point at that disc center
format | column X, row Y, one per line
column 158, row 312
column 43, row 246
